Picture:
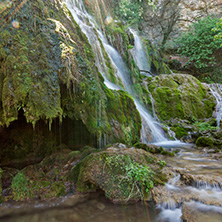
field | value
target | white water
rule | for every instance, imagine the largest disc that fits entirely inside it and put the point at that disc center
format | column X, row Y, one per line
column 89, row 28
column 216, row 90
column 139, row 55
column 203, row 195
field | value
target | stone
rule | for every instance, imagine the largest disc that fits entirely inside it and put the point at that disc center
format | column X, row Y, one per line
column 180, row 96
column 107, row 170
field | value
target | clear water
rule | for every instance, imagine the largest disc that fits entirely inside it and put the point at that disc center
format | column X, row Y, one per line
column 96, row 209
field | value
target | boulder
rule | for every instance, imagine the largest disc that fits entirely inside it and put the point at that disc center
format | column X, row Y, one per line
column 180, row 96
column 124, row 174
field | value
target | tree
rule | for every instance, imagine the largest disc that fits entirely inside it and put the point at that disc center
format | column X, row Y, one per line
column 199, row 43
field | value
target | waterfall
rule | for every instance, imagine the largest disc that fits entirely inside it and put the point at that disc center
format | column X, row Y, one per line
column 139, row 55
column 216, row 90
column 95, row 36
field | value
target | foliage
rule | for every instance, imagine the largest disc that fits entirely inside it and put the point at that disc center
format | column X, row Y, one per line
column 138, row 177
column 218, row 30
column 20, row 187
column 131, row 11
column 202, row 126
column 199, row 43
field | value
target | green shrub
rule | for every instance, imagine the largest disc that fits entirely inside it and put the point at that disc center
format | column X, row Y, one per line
column 199, row 43
column 137, row 177
column 205, row 126
column 131, row 11
column 20, row 187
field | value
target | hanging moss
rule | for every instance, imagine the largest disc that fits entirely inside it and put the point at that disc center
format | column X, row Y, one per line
column 48, row 71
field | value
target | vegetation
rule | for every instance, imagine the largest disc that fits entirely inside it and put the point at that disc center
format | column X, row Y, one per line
column 20, row 187
column 200, row 44
column 123, row 174
column 137, row 177
column 131, row 11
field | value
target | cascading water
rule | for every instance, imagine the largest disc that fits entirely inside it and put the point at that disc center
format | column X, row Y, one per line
column 203, row 193
column 216, row 90
column 89, row 28
column 139, row 55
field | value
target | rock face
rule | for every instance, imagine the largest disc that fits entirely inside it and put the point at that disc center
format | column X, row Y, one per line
column 171, row 17
column 181, row 96
column 48, row 72
column 123, row 174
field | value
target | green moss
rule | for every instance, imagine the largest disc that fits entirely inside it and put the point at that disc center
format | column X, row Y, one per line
column 156, row 62
column 117, row 173
column 204, row 141
column 48, row 71
column 58, row 188
column 180, row 96
column 179, row 131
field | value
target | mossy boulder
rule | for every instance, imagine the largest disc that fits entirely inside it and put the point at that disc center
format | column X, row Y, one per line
column 204, row 141
column 181, row 96
column 122, row 173
column 45, row 180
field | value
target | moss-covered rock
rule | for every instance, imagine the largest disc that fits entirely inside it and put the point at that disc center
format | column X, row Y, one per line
column 123, row 174
column 47, row 179
column 157, row 64
column 48, row 72
column 181, row 96
column 204, row 141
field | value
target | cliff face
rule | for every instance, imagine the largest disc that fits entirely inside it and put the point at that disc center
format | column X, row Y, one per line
column 171, row 17
column 48, row 75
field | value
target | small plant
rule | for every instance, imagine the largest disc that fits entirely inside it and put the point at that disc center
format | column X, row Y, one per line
column 132, row 178
column 140, row 175
column 205, row 126
column 20, row 189
column 162, row 163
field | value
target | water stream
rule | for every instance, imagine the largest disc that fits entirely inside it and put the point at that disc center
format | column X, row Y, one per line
column 195, row 189
column 216, row 90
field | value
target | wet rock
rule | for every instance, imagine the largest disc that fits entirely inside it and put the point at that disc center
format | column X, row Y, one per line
column 110, row 171
column 119, row 145
column 153, row 149
column 74, row 200
column 180, row 96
